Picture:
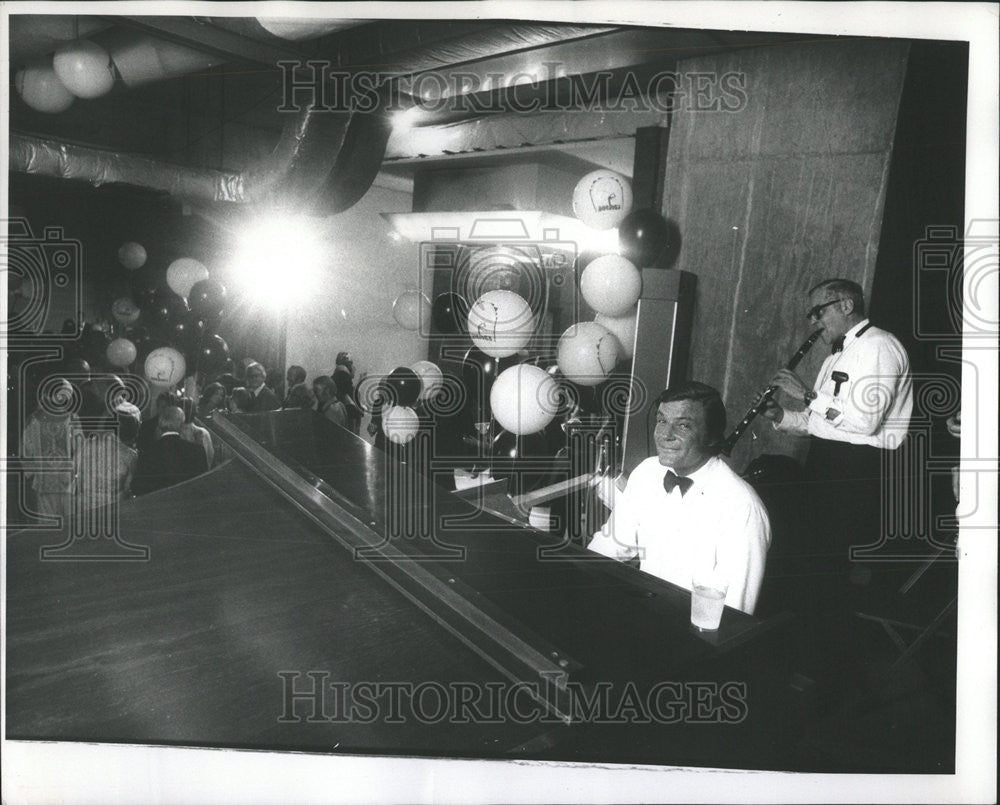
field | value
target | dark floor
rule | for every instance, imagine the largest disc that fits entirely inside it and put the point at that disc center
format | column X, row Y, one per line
column 880, row 678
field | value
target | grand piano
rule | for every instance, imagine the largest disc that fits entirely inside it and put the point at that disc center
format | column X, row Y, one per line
column 314, row 593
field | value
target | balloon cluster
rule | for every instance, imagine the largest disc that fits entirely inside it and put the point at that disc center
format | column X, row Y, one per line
column 78, row 69
column 167, row 324
column 513, row 402
column 603, row 199
column 400, row 391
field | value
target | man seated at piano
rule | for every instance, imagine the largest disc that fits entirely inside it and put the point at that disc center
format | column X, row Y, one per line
column 684, row 512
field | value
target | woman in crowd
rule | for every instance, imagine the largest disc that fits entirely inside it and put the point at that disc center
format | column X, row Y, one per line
column 327, row 403
column 345, row 396
column 213, row 398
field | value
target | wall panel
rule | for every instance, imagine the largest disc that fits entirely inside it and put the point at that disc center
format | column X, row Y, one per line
column 775, row 196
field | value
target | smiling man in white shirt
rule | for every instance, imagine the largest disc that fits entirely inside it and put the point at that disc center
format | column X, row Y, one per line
column 684, row 512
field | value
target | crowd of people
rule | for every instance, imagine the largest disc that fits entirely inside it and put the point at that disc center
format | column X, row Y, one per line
column 103, row 449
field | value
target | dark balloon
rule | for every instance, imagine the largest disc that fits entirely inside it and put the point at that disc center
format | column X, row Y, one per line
column 186, row 332
column 450, row 314
column 643, row 238
column 508, row 446
column 148, row 284
column 208, row 299
column 403, row 386
column 165, row 309
column 211, row 354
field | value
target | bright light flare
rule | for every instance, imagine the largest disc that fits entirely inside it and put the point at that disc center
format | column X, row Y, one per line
column 406, row 119
column 588, row 239
column 599, row 240
column 278, row 260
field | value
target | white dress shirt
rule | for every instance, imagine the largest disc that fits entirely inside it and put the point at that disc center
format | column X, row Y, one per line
column 872, row 406
column 719, row 526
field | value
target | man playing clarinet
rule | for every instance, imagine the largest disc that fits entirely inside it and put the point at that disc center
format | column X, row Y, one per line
column 857, row 409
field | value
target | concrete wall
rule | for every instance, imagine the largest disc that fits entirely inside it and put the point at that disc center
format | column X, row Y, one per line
column 774, row 197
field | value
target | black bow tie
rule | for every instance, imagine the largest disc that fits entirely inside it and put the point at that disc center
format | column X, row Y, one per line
column 837, row 345
column 671, row 479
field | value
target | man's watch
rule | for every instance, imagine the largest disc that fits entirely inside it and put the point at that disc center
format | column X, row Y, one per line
column 808, row 397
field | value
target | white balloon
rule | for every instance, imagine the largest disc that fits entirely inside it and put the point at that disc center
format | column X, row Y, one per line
column 611, row 284
column 400, row 424
column 587, row 353
column 410, row 309
column 165, row 366
column 84, row 67
column 132, row 255
column 431, row 378
column 183, row 273
column 500, row 323
column 524, row 399
column 602, row 199
column 623, row 328
column 40, row 88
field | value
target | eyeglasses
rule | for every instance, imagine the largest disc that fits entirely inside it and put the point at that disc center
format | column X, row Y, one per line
column 817, row 311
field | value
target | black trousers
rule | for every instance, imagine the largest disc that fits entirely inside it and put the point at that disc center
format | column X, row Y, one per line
column 841, row 505
column 846, row 482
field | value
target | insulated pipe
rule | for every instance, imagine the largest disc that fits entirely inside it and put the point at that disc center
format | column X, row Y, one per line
column 323, row 158
column 43, row 157
column 142, row 59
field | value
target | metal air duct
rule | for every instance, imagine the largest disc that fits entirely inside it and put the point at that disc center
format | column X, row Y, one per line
column 324, row 160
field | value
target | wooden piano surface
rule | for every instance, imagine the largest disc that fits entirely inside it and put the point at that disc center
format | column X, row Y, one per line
column 240, row 588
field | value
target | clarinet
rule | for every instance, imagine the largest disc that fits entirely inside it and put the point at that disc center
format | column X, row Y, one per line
column 730, row 441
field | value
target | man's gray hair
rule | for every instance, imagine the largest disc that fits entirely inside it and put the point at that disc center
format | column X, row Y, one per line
column 845, row 289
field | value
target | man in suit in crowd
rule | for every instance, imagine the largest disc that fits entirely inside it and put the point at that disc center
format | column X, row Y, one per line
column 262, row 398
column 295, row 387
column 170, row 459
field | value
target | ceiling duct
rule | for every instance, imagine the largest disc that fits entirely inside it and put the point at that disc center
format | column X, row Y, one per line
column 142, row 59
column 324, row 161
column 44, row 157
